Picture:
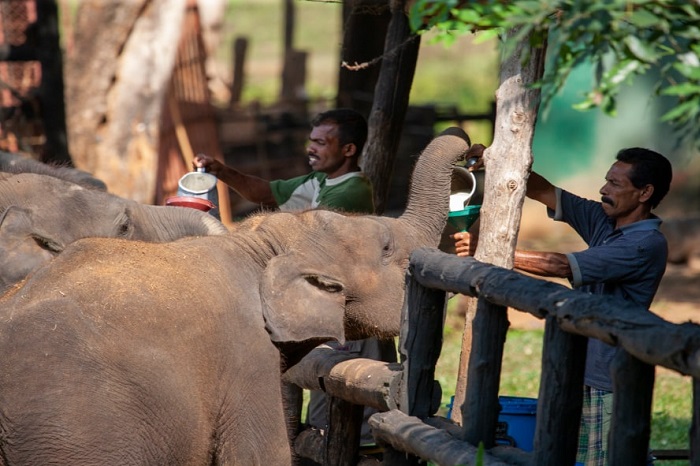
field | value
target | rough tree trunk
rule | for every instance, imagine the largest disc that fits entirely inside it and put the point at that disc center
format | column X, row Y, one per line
column 365, row 23
column 115, row 81
column 390, row 103
column 507, row 163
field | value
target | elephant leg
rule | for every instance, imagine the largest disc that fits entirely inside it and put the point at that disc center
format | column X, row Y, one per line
column 251, row 425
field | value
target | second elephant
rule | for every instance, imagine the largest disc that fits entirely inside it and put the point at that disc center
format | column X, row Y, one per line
column 41, row 214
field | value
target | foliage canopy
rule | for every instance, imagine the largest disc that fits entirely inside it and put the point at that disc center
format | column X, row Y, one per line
column 620, row 38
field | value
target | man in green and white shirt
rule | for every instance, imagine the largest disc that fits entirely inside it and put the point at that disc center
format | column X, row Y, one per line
column 351, row 192
column 336, row 182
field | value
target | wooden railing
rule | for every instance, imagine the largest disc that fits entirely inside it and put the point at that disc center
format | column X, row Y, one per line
column 408, row 396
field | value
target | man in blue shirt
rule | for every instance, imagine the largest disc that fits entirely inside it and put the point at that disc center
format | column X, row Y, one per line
column 626, row 257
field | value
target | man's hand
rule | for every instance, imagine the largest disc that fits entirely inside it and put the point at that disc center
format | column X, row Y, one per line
column 465, row 243
column 207, row 162
column 475, row 157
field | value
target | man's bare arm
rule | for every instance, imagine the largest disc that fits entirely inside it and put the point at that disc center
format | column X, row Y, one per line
column 250, row 187
column 544, row 264
column 541, row 190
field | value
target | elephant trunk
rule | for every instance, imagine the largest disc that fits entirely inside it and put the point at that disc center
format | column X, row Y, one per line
column 429, row 195
column 167, row 223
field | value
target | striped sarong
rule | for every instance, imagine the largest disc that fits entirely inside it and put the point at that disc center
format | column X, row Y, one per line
column 596, row 417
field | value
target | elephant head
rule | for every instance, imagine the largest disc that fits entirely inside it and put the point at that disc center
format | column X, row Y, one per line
column 343, row 276
column 41, row 214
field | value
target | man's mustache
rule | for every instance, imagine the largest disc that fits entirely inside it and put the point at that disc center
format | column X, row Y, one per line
column 606, row 200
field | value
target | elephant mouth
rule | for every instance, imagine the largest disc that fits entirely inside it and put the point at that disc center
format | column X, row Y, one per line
column 293, row 352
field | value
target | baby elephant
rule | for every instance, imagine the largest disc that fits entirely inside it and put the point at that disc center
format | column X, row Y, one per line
column 131, row 353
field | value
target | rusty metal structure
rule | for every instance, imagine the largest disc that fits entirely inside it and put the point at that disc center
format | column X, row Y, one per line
column 188, row 121
column 20, row 124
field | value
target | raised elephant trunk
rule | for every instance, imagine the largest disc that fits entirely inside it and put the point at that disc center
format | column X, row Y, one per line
column 428, row 199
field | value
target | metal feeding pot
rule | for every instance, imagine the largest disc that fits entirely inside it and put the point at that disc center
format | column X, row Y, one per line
column 197, row 190
column 465, row 190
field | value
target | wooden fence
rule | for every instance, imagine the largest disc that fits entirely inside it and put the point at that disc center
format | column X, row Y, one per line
column 408, row 397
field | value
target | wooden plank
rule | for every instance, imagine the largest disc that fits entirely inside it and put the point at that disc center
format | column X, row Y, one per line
column 665, row 455
column 240, row 47
column 480, row 408
column 411, row 435
column 343, row 437
column 310, row 444
column 643, row 334
column 361, row 381
column 420, row 343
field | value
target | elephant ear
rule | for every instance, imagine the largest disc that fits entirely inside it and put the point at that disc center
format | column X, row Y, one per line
column 301, row 305
column 16, row 223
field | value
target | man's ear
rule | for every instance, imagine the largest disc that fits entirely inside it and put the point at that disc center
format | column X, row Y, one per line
column 646, row 193
column 349, row 149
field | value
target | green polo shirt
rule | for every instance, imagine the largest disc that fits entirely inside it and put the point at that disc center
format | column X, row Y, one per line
column 351, row 192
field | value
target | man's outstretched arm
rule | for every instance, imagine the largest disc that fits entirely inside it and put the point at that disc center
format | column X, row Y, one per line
column 543, row 264
column 250, row 187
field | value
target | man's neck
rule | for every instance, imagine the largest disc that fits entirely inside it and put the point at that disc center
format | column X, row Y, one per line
column 343, row 171
column 634, row 217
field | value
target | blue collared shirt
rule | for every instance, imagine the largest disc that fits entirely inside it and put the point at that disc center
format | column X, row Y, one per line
column 627, row 262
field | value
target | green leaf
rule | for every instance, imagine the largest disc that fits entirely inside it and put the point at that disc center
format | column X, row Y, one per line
column 643, row 18
column 487, row 35
column 682, row 89
column 466, row 15
column 584, row 105
column 681, row 110
column 619, row 73
column 642, row 50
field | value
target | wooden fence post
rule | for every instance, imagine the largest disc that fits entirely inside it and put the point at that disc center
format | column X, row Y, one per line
column 560, row 396
column 342, row 439
column 419, row 348
column 633, row 385
column 695, row 425
column 480, row 408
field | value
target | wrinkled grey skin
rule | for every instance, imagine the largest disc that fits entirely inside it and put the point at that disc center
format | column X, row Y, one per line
column 133, row 353
column 41, row 214
column 16, row 163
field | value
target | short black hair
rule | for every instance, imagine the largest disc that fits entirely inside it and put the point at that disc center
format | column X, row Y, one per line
column 648, row 167
column 352, row 126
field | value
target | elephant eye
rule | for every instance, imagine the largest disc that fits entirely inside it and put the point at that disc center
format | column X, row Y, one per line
column 325, row 284
column 47, row 244
column 124, row 229
column 124, row 226
column 387, row 246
